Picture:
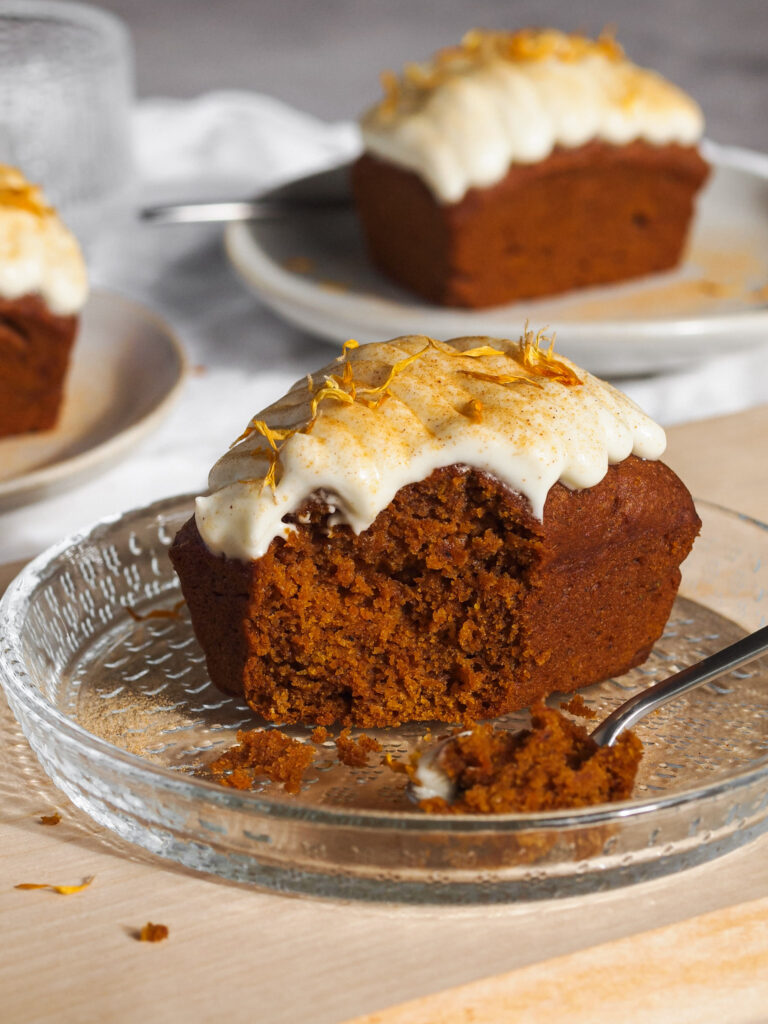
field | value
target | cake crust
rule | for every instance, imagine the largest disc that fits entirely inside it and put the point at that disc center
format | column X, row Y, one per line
column 43, row 287
column 588, row 215
column 455, row 603
column 35, row 346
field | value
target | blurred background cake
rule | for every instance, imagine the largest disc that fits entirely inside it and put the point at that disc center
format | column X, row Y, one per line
column 526, row 164
column 434, row 530
column 43, row 287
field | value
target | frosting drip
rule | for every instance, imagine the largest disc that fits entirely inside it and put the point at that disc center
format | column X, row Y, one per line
column 38, row 255
column 387, row 415
column 460, row 120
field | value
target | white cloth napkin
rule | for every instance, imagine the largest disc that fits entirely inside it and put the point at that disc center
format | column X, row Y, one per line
column 235, row 135
column 218, row 145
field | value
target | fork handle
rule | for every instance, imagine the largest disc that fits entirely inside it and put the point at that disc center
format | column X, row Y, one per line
column 637, row 707
column 267, row 208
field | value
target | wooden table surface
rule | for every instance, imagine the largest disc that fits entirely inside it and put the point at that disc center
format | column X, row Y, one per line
column 242, row 955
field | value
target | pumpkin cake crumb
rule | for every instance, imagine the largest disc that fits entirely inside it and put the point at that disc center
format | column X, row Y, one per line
column 354, row 752
column 554, row 765
column 579, row 707
column 260, row 752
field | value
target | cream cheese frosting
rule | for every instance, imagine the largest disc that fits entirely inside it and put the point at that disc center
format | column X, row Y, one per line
column 388, row 414
column 38, row 255
column 460, row 120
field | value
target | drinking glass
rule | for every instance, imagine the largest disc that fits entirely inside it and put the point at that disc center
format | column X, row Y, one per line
column 66, row 84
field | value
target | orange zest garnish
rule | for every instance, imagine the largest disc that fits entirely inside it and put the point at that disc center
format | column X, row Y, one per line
column 545, row 363
column 542, row 44
column 390, row 86
column 22, row 195
column 331, row 388
column 153, row 932
column 381, row 390
column 502, row 378
column 479, row 46
column 482, row 350
column 531, row 363
column 536, row 363
column 62, row 890
column 272, row 434
column 270, row 480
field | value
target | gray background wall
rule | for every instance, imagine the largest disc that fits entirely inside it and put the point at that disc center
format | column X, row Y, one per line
column 325, row 55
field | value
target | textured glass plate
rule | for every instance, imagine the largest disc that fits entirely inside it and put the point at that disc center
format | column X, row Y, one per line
column 123, row 718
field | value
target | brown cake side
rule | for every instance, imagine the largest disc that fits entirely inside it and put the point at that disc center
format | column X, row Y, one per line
column 35, row 346
column 455, row 603
column 594, row 214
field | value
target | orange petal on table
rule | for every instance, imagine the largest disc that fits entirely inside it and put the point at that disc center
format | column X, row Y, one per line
column 63, row 890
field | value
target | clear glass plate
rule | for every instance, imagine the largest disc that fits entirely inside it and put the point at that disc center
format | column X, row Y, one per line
column 121, row 715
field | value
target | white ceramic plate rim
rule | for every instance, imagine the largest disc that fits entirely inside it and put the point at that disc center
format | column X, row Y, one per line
column 280, row 288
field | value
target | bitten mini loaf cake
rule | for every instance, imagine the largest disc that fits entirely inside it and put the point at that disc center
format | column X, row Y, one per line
column 526, row 164
column 429, row 529
column 43, row 286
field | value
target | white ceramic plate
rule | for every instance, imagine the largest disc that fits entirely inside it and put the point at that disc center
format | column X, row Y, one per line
column 313, row 271
column 127, row 368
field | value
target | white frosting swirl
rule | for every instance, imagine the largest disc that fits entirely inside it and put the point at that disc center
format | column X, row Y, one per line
column 38, row 255
column 442, row 408
column 460, row 123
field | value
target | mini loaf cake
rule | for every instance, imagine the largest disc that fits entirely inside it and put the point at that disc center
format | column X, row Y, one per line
column 43, row 286
column 428, row 530
column 526, row 164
